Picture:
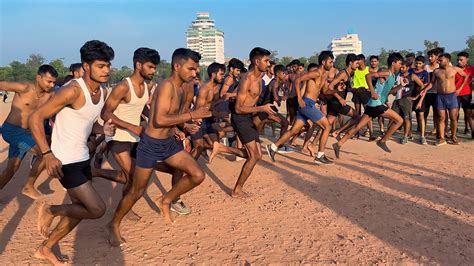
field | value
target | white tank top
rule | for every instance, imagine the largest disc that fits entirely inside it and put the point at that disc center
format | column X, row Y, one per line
column 72, row 129
column 130, row 112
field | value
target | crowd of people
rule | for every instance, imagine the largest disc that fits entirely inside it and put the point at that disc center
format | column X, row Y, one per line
column 70, row 123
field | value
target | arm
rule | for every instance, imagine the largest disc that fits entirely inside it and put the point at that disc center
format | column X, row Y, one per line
column 330, row 88
column 305, row 77
column 274, row 91
column 163, row 105
column 242, row 93
column 465, row 79
column 17, row 87
column 225, row 87
column 370, row 76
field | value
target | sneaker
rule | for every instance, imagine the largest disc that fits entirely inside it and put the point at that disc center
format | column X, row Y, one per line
column 367, row 134
column 285, row 149
column 383, row 146
column 440, row 142
column 179, row 207
column 323, row 160
column 404, row 140
column 33, row 160
column 372, row 137
column 271, row 152
column 411, row 137
column 454, row 141
column 423, row 141
column 337, row 149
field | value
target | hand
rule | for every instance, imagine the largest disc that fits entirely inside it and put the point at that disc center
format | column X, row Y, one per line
column 301, row 103
column 343, row 102
column 53, row 165
column 201, row 112
column 179, row 135
column 137, row 130
column 374, row 95
column 267, row 108
column 191, row 128
column 418, row 106
column 109, row 128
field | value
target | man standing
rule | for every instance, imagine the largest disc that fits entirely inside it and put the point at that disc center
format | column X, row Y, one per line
column 465, row 93
column 419, row 98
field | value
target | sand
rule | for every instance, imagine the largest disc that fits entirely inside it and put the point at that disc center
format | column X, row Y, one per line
column 415, row 205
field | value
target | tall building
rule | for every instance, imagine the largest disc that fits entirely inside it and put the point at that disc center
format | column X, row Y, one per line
column 345, row 45
column 203, row 37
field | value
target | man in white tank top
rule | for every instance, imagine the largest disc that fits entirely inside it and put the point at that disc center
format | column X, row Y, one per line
column 77, row 107
column 158, row 142
column 124, row 107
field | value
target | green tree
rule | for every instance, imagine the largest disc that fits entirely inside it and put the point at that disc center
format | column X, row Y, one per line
column 430, row 45
column 58, row 64
column 34, row 61
column 274, row 57
column 285, row 60
column 6, row 73
column 340, row 62
column 304, row 60
column 314, row 58
column 21, row 72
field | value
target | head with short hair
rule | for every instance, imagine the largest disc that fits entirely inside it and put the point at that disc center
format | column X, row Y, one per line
column 76, row 70
column 280, row 72
column 234, row 67
column 361, row 58
column 145, row 61
column 419, row 62
column 444, row 60
column 352, row 61
column 185, row 64
column 433, row 55
column 463, row 59
column 46, row 77
column 271, row 70
column 405, row 66
column 326, row 59
column 394, row 61
column 300, row 68
column 96, row 57
column 312, row 66
column 374, row 61
column 216, row 72
column 260, row 58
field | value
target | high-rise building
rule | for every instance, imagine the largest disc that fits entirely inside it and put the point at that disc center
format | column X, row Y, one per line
column 345, row 45
column 203, row 37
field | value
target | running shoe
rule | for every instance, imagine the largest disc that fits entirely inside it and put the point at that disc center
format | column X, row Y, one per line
column 322, row 160
column 271, row 152
column 179, row 207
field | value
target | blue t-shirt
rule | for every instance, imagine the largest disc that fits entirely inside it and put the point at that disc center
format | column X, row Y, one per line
column 383, row 90
column 423, row 76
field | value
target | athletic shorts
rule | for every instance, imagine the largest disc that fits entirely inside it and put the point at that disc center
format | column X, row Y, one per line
column 245, row 128
column 403, row 107
column 465, row 101
column 375, row 111
column 361, row 96
column 335, row 108
column 117, row 147
column 446, row 101
column 292, row 104
column 322, row 98
column 205, row 129
column 150, row 151
column 76, row 174
column 309, row 112
column 415, row 103
column 430, row 101
column 20, row 140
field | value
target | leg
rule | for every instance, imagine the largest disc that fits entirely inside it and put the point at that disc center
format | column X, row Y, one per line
column 253, row 157
column 295, row 129
column 29, row 188
column 441, row 124
column 362, row 122
column 397, row 121
column 12, row 166
column 453, row 114
column 325, row 130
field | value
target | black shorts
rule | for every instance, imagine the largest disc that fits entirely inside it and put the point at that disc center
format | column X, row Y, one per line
column 322, row 98
column 415, row 103
column 335, row 108
column 465, row 101
column 76, row 174
column 361, row 96
column 403, row 107
column 245, row 128
column 205, row 129
column 375, row 111
column 430, row 101
column 117, row 147
column 292, row 105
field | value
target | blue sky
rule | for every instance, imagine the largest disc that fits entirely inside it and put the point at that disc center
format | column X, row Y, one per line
column 57, row 29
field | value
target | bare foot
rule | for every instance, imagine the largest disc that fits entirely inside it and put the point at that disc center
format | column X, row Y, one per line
column 45, row 218
column 309, row 149
column 215, row 151
column 239, row 194
column 133, row 216
column 115, row 239
column 45, row 253
column 165, row 210
column 31, row 192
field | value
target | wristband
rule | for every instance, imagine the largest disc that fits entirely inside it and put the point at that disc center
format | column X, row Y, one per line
column 46, row 152
column 191, row 116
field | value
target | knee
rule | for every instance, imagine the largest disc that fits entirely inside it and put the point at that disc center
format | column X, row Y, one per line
column 97, row 211
column 198, row 177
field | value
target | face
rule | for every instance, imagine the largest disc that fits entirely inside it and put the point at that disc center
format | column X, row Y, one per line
column 263, row 63
column 361, row 63
column 300, row 69
column 235, row 72
column 219, row 77
column 147, row 70
column 443, row 61
column 397, row 65
column 462, row 61
column 410, row 60
column 78, row 73
column 433, row 58
column 281, row 75
column 46, row 82
column 354, row 65
column 404, row 69
column 419, row 65
column 271, row 70
column 98, row 71
column 188, row 70
column 328, row 64
column 294, row 68
column 374, row 63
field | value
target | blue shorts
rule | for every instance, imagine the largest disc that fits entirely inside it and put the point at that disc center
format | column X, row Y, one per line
column 20, row 140
column 206, row 128
column 309, row 112
column 446, row 101
column 150, row 151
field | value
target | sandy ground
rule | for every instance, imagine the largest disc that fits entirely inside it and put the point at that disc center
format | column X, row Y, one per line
column 415, row 205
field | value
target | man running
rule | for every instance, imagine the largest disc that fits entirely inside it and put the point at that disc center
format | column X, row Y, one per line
column 292, row 99
column 376, row 105
column 443, row 82
column 158, row 142
column 250, row 88
column 361, row 93
column 29, row 96
column 77, row 107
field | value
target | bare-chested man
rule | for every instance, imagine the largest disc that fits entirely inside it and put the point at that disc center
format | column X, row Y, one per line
column 77, row 107
column 444, row 83
column 208, row 93
column 307, row 111
column 29, row 96
column 125, row 106
column 158, row 142
column 248, row 93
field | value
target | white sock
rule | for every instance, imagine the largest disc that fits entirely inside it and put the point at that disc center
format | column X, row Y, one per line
column 274, row 147
column 319, row 154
